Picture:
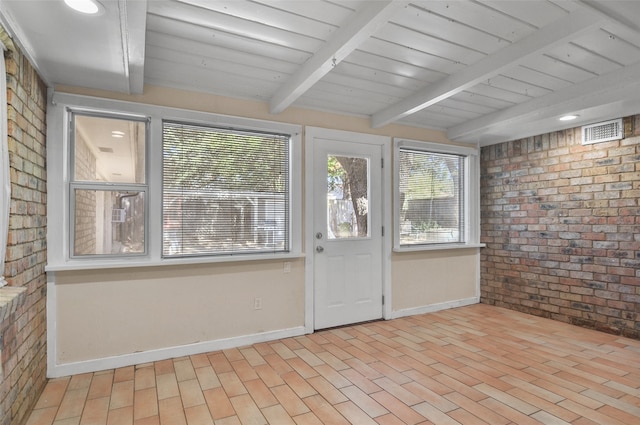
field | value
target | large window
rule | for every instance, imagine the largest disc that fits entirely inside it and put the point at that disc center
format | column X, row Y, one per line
column 107, row 185
column 224, row 191
column 135, row 185
column 432, row 197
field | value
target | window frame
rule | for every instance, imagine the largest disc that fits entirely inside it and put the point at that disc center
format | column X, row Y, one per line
column 74, row 184
column 59, row 181
column 470, row 193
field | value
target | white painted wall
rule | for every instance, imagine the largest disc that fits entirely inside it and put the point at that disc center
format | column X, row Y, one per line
column 107, row 318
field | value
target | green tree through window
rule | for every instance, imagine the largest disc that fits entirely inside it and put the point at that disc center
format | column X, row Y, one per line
column 224, row 191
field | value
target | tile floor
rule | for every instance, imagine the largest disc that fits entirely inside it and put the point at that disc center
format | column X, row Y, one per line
column 471, row 365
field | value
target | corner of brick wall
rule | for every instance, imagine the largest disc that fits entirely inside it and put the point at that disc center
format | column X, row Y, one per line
column 24, row 330
column 561, row 224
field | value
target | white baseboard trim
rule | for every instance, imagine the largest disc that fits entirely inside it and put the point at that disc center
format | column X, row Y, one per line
column 105, row 363
column 86, row 366
column 434, row 307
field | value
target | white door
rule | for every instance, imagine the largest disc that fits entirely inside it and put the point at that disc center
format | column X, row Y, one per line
column 347, row 231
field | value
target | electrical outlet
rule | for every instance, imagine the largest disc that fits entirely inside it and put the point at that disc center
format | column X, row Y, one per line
column 257, row 303
column 287, row 267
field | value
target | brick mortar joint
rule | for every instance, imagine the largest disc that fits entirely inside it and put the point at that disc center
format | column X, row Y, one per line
column 524, row 208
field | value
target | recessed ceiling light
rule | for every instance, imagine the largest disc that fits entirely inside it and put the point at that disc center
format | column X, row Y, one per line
column 117, row 134
column 89, row 7
column 568, row 117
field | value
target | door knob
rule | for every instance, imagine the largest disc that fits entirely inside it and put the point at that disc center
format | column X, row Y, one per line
column 319, row 249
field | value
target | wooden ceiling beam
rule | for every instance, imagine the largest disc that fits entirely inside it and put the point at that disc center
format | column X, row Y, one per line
column 582, row 98
column 561, row 31
column 346, row 39
column 133, row 28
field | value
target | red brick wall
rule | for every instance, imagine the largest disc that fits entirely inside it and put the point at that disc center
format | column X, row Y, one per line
column 24, row 330
column 561, row 224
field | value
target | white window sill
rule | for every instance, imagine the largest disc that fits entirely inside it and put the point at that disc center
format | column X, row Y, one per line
column 122, row 263
column 438, row 247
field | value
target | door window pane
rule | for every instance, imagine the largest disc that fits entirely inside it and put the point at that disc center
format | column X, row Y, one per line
column 347, row 197
column 108, row 222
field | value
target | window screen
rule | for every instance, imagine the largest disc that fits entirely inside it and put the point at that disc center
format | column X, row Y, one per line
column 108, row 185
column 431, row 197
column 224, row 191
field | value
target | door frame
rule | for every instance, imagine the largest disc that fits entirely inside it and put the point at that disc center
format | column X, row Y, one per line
column 311, row 133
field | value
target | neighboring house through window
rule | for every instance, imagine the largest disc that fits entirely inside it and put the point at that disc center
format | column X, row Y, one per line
column 224, row 191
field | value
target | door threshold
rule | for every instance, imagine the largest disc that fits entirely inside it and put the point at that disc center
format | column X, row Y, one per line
column 348, row 325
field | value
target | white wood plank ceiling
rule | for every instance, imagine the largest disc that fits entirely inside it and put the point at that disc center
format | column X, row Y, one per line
column 484, row 71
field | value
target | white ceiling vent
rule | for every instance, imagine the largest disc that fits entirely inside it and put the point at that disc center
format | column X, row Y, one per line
column 602, row 132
